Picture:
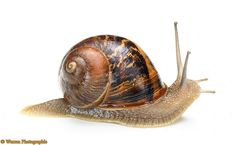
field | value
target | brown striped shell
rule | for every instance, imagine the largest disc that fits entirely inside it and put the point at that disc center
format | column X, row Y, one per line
column 109, row 72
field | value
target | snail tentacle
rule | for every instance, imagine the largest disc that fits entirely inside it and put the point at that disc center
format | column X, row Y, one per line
column 178, row 55
column 202, row 80
column 207, row 91
column 184, row 74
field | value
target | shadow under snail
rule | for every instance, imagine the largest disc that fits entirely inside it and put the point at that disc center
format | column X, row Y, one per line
column 110, row 79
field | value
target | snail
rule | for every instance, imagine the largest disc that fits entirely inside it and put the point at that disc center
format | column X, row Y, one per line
column 109, row 78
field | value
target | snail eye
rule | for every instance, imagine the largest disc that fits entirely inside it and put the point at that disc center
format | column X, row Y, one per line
column 71, row 67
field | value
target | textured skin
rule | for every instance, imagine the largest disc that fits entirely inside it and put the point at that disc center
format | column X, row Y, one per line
column 164, row 111
column 131, row 80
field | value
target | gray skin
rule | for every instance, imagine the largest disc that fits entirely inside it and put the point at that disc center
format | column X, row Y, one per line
column 166, row 110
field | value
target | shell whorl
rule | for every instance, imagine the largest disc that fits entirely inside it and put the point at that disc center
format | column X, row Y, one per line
column 87, row 84
column 125, row 77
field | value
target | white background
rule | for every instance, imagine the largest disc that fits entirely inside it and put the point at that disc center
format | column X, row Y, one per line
column 34, row 37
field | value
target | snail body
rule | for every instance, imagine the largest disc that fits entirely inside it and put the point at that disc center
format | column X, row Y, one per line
column 109, row 78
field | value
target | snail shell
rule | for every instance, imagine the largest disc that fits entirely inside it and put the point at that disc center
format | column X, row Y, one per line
column 109, row 72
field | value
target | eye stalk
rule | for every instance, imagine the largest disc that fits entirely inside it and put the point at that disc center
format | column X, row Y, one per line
column 71, row 67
